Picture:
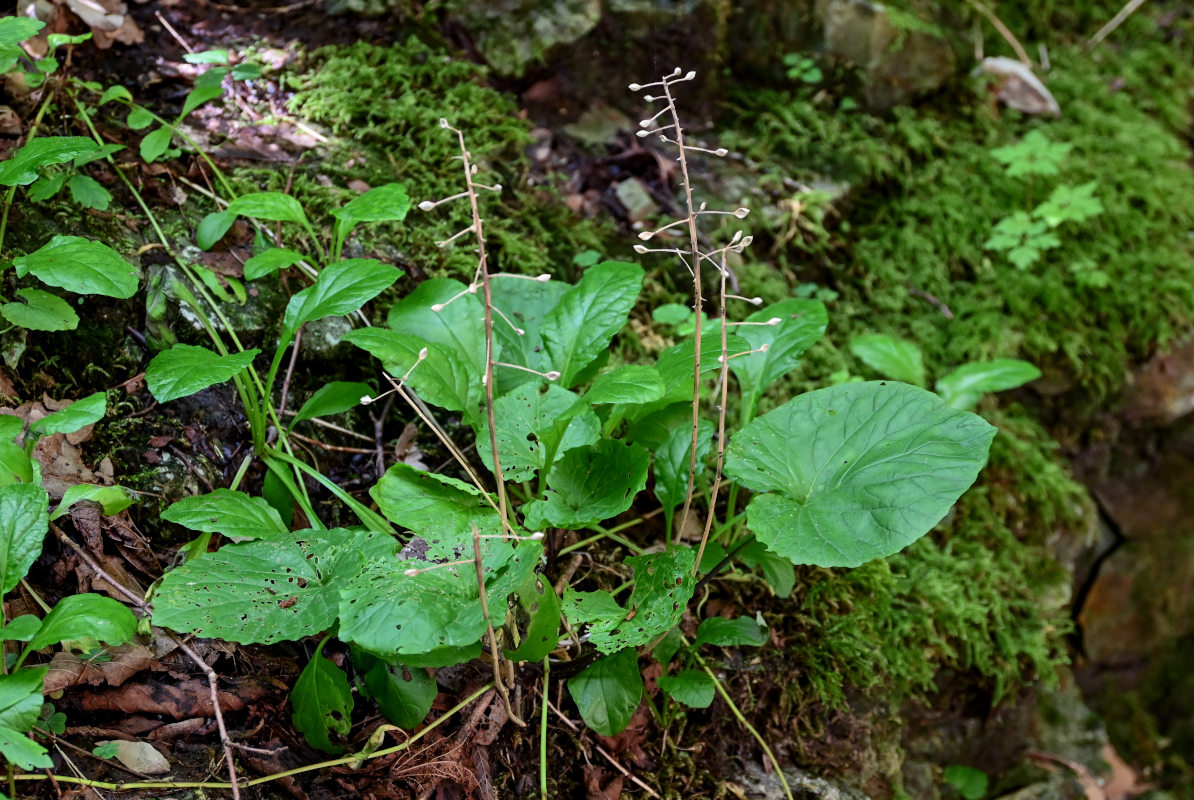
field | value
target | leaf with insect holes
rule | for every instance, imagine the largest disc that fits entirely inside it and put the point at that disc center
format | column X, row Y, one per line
column 590, row 484
column 441, row 378
column 431, row 504
column 388, row 612
column 80, row 265
column 608, row 691
column 855, row 472
column 404, row 694
column 20, row 169
column 266, row 591
column 893, row 358
column 671, row 464
column 341, row 288
column 538, row 599
column 332, row 398
column 41, row 311
column 79, row 616
column 269, row 261
column 588, row 316
column 24, row 522
column 75, row 417
column 632, row 383
column 692, row 687
column 185, row 369
column 322, row 701
column 459, row 325
column 532, row 424
column 525, row 302
column 801, row 324
column 232, row 513
column 966, row 385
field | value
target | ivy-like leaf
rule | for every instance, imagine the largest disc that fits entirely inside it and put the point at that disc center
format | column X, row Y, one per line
column 692, row 687
column 24, row 522
column 530, row 425
column 441, row 378
column 20, row 169
column 855, row 472
column 893, row 358
column 80, row 265
column 588, row 316
column 608, row 692
column 590, row 484
column 966, row 385
column 185, row 369
column 432, row 505
column 458, row 326
column 341, row 288
column 322, row 701
column 73, row 418
column 41, row 311
column 631, row 384
column 79, row 616
column 234, row 514
column 22, row 751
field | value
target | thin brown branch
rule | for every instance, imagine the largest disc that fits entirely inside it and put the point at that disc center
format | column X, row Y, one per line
column 493, row 645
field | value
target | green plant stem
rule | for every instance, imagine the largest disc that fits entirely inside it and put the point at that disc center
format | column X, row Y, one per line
column 12, row 190
column 219, row 785
column 746, row 724
column 372, row 519
column 543, row 730
column 603, row 534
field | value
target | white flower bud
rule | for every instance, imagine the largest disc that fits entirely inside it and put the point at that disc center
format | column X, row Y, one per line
column 438, row 307
column 741, row 213
column 552, row 376
column 544, row 278
column 634, row 87
column 426, row 205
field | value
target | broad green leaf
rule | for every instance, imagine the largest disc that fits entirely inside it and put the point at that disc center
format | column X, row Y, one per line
column 628, row 384
column 114, row 93
column 333, row 398
column 185, row 369
column 20, row 169
column 211, row 229
column 893, row 358
column 15, row 464
column 198, row 96
column 670, row 314
column 608, row 691
column 41, row 311
column 583, row 608
column 89, row 193
column 380, row 204
column 272, row 206
column 155, row 143
column 692, row 687
column 234, row 514
column 777, row 570
column 206, row 57
column 139, row 118
column 404, row 694
column 663, row 585
column 100, row 153
column 14, row 30
column 527, row 429
column 671, row 643
column 322, row 701
column 80, row 265
column 24, row 522
column 443, row 656
column 971, row 783
column 588, row 316
column 675, row 366
column 21, row 697
column 459, row 325
column 722, row 632
column 388, row 612
column 440, row 378
column 46, row 187
column 21, row 629
column 270, row 261
column 801, row 324
column 590, row 484
column 538, row 599
column 22, row 751
column 80, row 616
column 266, row 591
column 73, row 418
column 111, row 499
column 855, row 472
column 11, row 426
column 246, row 71
column 671, row 464
column 525, row 302
column 341, row 288
column 966, row 385
column 432, row 505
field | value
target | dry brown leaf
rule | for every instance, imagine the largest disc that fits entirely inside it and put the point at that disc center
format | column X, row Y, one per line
column 190, row 698
column 67, row 669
